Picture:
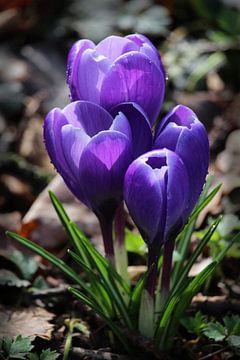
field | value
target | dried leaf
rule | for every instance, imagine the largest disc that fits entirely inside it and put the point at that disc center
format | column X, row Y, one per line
column 31, row 322
column 42, row 224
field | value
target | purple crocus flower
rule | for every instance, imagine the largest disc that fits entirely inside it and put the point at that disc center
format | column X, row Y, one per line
column 182, row 132
column 117, row 70
column 156, row 192
column 92, row 150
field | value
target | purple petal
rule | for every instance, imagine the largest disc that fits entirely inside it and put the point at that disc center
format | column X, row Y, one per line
column 87, row 115
column 121, row 124
column 147, row 48
column 133, row 77
column 140, row 127
column 177, row 195
column 90, row 70
column 114, row 46
column 53, row 124
column 183, row 133
column 102, row 168
column 73, row 142
column 145, row 198
column 74, row 57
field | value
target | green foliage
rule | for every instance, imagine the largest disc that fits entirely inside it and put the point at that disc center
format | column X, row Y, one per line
column 215, row 331
column 39, row 284
column 10, row 279
column 227, row 331
column 222, row 236
column 20, row 348
column 15, row 349
column 134, row 243
column 111, row 297
column 194, row 324
column 234, row 343
column 27, row 264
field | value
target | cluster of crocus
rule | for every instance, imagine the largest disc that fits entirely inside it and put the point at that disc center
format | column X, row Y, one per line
column 103, row 145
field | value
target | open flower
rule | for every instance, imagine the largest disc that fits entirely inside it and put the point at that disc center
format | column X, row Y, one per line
column 182, row 132
column 118, row 69
column 156, row 192
column 92, row 150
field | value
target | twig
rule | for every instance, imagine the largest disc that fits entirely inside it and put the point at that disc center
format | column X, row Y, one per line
column 213, row 353
column 81, row 353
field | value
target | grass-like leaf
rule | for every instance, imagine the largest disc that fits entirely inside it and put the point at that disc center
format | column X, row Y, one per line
column 106, row 272
column 196, row 254
column 184, row 238
column 96, row 283
column 70, row 273
column 109, row 322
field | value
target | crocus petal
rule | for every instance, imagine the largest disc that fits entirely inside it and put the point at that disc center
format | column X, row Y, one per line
column 146, row 47
column 74, row 57
column 121, row 124
column 144, row 197
column 133, row 77
column 102, row 167
column 156, row 193
column 183, row 133
column 114, row 46
column 89, row 116
column 177, row 195
column 52, row 138
column 140, row 127
column 91, row 68
column 73, row 142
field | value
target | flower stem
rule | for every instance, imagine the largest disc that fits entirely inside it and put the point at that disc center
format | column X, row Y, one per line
column 146, row 323
column 166, row 270
column 153, row 256
column 119, row 245
column 106, row 228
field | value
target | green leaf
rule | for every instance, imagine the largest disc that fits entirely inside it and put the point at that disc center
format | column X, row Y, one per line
column 136, row 294
column 194, row 324
column 179, row 303
column 65, row 220
column 27, row 264
column 134, row 243
column 234, row 343
column 215, row 331
column 33, row 356
column 98, row 260
column 18, row 347
column 184, row 238
column 39, row 284
column 204, row 203
column 109, row 275
column 6, row 344
column 53, row 260
column 116, row 329
column 96, row 283
column 202, row 66
column 8, row 278
column 195, row 255
column 48, row 354
column 232, row 323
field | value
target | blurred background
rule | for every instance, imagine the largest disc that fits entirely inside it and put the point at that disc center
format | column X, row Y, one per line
column 199, row 41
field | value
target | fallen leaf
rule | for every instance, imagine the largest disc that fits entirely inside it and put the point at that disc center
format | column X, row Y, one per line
column 42, row 225
column 30, row 322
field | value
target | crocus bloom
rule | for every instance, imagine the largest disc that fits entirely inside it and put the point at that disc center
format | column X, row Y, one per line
column 117, row 70
column 156, row 192
column 92, row 150
column 182, row 132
